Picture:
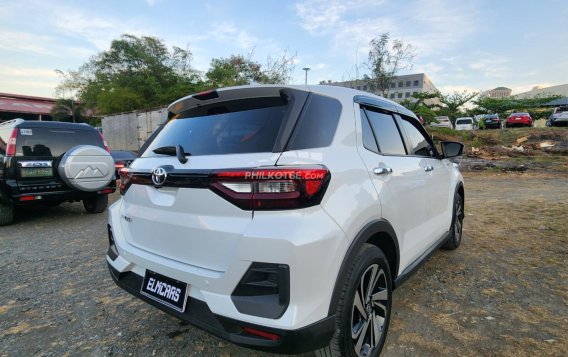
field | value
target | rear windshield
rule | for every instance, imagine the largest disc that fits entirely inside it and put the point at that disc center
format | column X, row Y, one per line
column 234, row 127
column 464, row 121
column 122, row 155
column 491, row 116
column 51, row 142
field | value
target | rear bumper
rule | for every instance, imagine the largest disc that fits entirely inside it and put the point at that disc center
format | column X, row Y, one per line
column 46, row 192
column 197, row 313
column 561, row 121
column 493, row 125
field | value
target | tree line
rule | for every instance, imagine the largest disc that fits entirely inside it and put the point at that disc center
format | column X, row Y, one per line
column 141, row 73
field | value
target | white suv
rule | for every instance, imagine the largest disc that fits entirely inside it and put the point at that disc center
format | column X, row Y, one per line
column 282, row 217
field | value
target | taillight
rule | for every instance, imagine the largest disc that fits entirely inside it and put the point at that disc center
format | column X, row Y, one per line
column 107, row 148
column 271, row 188
column 11, row 145
column 125, row 180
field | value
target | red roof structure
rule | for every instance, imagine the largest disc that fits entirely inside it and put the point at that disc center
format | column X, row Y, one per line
column 15, row 103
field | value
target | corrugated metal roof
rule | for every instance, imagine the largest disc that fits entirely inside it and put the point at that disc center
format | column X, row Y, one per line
column 29, row 106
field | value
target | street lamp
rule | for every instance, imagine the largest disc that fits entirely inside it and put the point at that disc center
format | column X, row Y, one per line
column 306, row 69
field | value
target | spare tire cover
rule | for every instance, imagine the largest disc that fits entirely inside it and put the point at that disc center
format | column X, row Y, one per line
column 86, row 168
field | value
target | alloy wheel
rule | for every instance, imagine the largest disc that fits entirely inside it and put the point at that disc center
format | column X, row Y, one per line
column 369, row 311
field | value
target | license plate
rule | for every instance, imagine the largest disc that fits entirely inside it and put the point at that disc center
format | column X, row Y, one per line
column 517, row 118
column 36, row 172
column 167, row 291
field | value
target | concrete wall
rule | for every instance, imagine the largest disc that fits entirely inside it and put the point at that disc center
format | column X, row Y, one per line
column 129, row 131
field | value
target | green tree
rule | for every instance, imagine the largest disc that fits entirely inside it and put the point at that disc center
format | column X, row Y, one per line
column 386, row 58
column 451, row 103
column 423, row 104
column 68, row 110
column 241, row 70
column 504, row 106
column 135, row 73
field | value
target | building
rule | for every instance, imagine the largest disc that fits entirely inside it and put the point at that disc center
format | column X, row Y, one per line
column 401, row 87
column 499, row 92
column 561, row 90
column 14, row 106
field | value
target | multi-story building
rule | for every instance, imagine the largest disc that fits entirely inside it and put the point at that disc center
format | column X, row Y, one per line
column 401, row 87
column 499, row 92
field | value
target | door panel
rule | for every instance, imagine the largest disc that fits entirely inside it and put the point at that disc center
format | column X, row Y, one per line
column 400, row 181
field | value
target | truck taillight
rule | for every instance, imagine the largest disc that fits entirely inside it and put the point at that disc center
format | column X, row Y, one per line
column 271, row 188
column 107, row 148
column 11, row 144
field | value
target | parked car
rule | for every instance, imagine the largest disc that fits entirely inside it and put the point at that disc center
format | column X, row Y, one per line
column 559, row 117
column 465, row 123
column 52, row 162
column 519, row 119
column 282, row 217
column 492, row 121
column 442, row 122
column 122, row 158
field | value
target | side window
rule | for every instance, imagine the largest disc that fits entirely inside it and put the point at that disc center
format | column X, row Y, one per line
column 369, row 142
column 420, row 145
column 316, row 127
column 386, row 132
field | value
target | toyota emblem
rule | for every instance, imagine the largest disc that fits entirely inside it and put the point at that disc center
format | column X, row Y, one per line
column 159, row 176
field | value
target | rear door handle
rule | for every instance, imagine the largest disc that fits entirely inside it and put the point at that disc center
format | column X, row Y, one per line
column 429, row 168
column 382, row 170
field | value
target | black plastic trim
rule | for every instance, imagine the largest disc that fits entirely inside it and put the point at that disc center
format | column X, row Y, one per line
column 412, row 268
column 263, row 298
column 384, row 104
column 197, row 313
column 371, row 229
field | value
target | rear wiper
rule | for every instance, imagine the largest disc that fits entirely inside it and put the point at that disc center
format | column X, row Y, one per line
column 173, row 151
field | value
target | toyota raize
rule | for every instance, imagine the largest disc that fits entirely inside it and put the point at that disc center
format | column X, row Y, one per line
column 281, row 218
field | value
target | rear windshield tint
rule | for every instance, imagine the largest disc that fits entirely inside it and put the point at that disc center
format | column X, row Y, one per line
column 50, row 142
column 464, row 121
column 234, row 127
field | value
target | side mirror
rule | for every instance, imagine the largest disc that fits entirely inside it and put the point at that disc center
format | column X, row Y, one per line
column 452, row 149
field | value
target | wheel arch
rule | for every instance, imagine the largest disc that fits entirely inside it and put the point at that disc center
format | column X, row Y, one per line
column 379, row 233
column 460, row 191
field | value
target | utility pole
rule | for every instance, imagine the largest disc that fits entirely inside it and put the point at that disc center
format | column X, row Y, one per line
column 306, row 69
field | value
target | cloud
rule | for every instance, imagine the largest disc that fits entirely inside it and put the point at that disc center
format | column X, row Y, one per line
column 490, row 65
column 28, row 80
column 226, row 32
column 96, row 30
column 34, row 72
column 323, row 15
column 26, row 42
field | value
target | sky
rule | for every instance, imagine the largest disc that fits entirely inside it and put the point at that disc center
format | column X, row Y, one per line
column 461, row 44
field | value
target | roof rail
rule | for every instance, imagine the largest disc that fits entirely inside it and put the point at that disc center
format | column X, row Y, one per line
column 13, row 121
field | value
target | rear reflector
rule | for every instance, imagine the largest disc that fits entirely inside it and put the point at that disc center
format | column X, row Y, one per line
column 264, row 334
column 29, row 198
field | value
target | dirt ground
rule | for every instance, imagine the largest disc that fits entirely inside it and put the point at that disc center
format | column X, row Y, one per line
column 504, row 292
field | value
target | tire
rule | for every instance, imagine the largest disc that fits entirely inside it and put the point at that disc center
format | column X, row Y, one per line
column 356, row 314
column 6, row 214
column 456, row 229
column 96, row 204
